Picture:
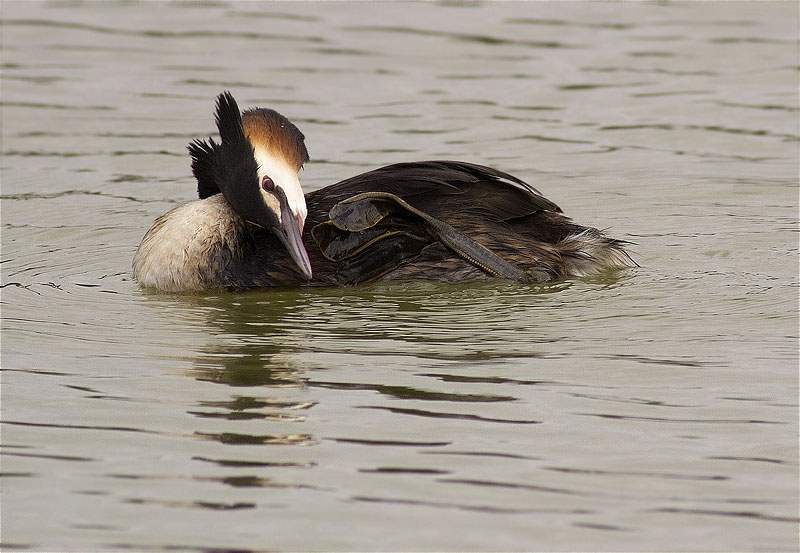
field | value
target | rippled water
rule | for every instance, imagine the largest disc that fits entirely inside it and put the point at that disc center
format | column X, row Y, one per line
column 651, row 410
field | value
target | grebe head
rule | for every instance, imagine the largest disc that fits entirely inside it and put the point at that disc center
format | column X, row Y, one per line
column 256, row 168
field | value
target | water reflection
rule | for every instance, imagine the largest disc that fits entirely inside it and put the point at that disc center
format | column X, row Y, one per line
column 276, row 341
column 249, row 343
column 274, row 344
column 273, row 338
column 232, row 438
column 245, row 365
column 245, row 408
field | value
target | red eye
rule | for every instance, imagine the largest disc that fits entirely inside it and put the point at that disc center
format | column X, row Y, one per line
column 267, row 184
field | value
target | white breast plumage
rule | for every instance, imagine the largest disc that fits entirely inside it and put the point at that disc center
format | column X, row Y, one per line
column 182, row 250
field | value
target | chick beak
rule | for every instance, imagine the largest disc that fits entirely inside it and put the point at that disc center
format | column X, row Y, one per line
column 290, row 233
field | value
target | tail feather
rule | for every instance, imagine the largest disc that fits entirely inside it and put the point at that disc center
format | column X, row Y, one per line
column 590, row 252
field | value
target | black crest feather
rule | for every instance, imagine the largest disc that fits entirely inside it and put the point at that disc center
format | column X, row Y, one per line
column 236, row 163
column 235, row 167
column 204, row 159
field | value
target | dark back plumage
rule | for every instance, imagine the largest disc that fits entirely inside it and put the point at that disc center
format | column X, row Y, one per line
column 494, row 209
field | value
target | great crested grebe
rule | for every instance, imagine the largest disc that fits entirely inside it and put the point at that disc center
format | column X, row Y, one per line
column 445, row 220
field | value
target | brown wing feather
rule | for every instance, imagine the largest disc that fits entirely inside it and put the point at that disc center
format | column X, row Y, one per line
column 495, row 209
column 443, row 189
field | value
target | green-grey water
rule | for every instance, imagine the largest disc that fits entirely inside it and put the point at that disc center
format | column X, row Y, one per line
column 653, row 409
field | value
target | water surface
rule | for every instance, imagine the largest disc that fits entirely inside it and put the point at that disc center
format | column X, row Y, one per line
column 653, row 409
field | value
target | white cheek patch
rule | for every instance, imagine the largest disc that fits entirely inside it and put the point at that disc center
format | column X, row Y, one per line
column 284, row 176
